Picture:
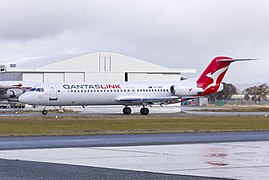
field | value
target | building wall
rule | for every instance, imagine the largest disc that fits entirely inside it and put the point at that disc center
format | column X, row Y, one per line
column 98, row 66
column 74, row 77
column 122, row 63
column 34, row 77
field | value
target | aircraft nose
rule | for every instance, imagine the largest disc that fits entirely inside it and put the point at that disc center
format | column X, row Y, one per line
column 25, row 98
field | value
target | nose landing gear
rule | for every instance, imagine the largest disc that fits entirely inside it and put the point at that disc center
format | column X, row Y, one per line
column 44, row 112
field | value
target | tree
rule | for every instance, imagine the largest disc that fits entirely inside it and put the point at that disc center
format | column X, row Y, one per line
column 258, row 93
column 225, row 94
column 246, row 97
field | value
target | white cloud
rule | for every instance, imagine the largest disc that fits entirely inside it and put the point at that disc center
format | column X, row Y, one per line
column 175, row 33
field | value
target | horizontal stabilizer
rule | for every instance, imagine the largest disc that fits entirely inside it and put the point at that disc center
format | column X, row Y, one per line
column 233, row 60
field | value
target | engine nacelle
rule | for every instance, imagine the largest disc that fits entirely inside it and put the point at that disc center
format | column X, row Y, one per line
column 185, row 91
column 11, row 93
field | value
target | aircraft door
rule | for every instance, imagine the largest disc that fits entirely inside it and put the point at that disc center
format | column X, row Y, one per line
column 53, row 92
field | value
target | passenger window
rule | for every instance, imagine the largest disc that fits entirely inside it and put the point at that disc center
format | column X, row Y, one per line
column 32, row 89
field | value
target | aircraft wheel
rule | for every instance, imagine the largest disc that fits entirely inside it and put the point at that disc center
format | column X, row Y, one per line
column 127, row 110
column 144, row 111
column 44, row 112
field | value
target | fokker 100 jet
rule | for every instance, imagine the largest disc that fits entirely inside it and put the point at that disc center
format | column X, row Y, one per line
column 129, row 93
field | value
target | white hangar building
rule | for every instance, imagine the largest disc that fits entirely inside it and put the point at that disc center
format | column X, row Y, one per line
column 86, row 67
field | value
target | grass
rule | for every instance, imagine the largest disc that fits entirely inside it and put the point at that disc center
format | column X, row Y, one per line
column 38, row 126
column 228, row 108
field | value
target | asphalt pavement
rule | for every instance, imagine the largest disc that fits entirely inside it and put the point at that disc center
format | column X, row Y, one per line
column 9, row 143
column 27, row 170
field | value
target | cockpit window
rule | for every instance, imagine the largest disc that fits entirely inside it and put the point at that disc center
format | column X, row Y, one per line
column 37, row 89
column 40, row 89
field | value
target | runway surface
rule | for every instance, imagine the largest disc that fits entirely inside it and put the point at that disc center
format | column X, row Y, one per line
column 9, row 143
column 232, row 155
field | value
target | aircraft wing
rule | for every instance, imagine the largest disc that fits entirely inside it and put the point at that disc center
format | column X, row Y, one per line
column 150, row 100
column 154, row 100
column 4, row 87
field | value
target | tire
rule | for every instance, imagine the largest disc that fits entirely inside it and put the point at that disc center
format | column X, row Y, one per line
column 127, row 110
column 44, row 112
column 144, row 111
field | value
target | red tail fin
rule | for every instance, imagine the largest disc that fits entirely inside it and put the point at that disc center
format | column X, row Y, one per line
column 214, row 72
column 210, row 79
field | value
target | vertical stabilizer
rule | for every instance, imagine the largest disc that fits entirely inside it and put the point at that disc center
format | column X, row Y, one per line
column 210, row 80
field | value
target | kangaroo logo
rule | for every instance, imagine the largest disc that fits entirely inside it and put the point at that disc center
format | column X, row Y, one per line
column 214, row 76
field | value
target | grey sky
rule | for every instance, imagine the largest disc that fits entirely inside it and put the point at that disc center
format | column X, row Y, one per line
column 174, row 33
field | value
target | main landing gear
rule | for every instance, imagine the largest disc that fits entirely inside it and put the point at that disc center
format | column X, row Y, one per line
column 128, row 110
column 144, row 111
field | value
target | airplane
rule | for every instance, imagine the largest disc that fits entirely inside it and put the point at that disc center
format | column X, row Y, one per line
column 129, row 93
column 11, row 90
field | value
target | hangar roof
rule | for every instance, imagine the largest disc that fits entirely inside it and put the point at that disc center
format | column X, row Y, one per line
column 34, row 62
column 91, row 62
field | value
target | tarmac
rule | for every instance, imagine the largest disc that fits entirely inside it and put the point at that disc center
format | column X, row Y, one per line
column 218, row 155
column 154, row 156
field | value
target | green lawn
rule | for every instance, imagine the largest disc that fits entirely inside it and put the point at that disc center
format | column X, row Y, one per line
column 37, row 126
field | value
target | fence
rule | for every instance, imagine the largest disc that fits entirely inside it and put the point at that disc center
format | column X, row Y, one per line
column 244, row 102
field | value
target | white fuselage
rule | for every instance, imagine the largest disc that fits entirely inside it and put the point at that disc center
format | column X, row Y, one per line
column 69, row 94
